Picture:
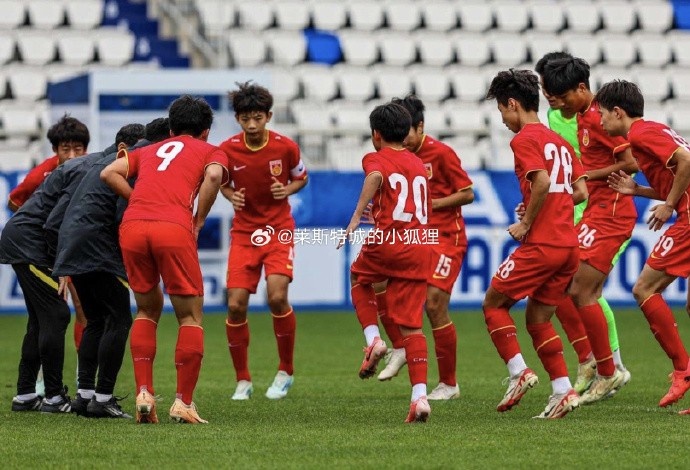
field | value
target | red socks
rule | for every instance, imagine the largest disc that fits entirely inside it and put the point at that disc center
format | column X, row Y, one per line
column 238, row 344
column 549, row 348
column 188, row 354
column 392, row 330
column 598, row 333
column 416, row 355
column 665, row 329
column 284, row 326
column 78, row 333
column 503, row 332
column 142, row 344
column 446, row 344
column 571, row 322
column 364, row 301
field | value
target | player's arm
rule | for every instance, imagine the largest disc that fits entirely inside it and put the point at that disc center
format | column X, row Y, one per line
column 213, row 178
column 371, row 184
column 624, row 184
column 12, row 206
column 460, row 198
column 540, row 183
column 580, row 192
column 19, row 195
column 624, row 162
column 115, row 175
column 662, row 212
column 298, row 179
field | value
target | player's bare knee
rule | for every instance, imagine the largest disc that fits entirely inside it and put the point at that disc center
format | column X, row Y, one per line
column 437, row 312
column 641, row 290
column 237, row 311
column 278, row 302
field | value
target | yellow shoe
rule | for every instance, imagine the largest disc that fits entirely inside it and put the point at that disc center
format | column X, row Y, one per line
column 181, row 413
column 586, row 373
column 146, row 408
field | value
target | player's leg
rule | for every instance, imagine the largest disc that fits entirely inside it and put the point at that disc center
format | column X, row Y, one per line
column 570, row 320
column 445, row 343
column 395, row 357
column 364, row 302
column 284, row 327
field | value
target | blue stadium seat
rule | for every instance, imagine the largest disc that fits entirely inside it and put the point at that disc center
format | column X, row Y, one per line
column 322, row 47
column 681, row 13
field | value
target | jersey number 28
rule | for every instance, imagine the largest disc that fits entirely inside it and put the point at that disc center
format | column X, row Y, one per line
column 561, row 159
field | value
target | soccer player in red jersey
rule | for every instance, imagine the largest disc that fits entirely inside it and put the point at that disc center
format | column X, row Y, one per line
column 541, row 268
column 265, row 168
column 396, row 180
column 449, row 189
column 664, row 158
column 607, row 222
column 158, row 237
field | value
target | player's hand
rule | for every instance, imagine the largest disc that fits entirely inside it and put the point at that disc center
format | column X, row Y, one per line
column 63, row 287
column 348, row 231
column 518, row 230
column 278, row 189
column 660, row 214
column 367, row 216
column 237, row 199
column 520, row 210
column 622, row 182
column 197, row 228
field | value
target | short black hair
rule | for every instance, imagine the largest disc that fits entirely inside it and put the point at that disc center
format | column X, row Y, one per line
column 250, row 97
column 157, row 130
column 521, row 85
column 69, row 129
column 541, row 63
column 392, row 121
column 190, row 115
column 626, row 95
column 129, row 134
column 563, row 75
column 414, row 106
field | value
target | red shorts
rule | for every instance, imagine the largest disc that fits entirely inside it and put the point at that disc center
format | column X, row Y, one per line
column 153, row 249
column 671, row 254
column 538, row 271
column 600, row 239
column 245, row 263
column 447, row 261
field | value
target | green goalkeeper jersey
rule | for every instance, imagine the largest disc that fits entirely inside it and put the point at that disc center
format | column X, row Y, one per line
column 566, row 128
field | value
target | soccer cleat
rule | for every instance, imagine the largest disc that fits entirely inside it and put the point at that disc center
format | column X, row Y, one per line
column 679, row 385
column 517, row 387
column 79, row 405
column 444, row 392
column 560, row 405
column 243, row 391
column 109, row 409
column 626, row 378
column 395, row 361
column 601, row 387
column 181, row 413
column 684, row 412
column 27, row 405
column 372, row 355
column 586, row 373
column 63, row 405
column 146, row 408
column 419, row 411
column 280, row 386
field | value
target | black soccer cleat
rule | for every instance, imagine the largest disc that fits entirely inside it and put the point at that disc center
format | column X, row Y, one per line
column 79, row 405
column 62, row 406
column 28, row 405
column 109, row 409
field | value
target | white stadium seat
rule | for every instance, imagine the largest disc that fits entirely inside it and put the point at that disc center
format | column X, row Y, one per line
column 27, row 83
column 329, row 15
column 679, row 117
column 365, row 15
column 46, row 14
column 19, row 120
column 350, row 118
column 434, row 48
column 247, row 49
column 547, row 16
column 541, row 44
column 397, row 48
column 654, row 50
column 680, row 81
column 469, row 83
column 284, row 83
column 429, row 84
column 13, row 14
column 7, row 45
column 311, row 116
column 439, row 15
column 656, row 112
column 582, row 17
column 653, row 83
column 508, row 49
column 115, row 47
column 36, row 47
column 76, row 49
column 84, row 14
column 655, row 17
column 583, row 46
column 471, row 48
column 466, row 118
column 256, row 15
column 292, row 14
column 287, row 47
column 358, row 47
column 476, row 16
column 392, row 82
column 216, row 15
column 356, row 83
column 680, row 45
column 435, row 119
column 603, row 73
column 618, row 16
column 318, row 82
column 402, row 15
column 345, row 153
column 618, row 49
column 511, row 15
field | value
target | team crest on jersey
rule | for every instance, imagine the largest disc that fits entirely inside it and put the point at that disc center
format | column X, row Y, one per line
column 585, row 137
column 429, row 171
column 276, row 167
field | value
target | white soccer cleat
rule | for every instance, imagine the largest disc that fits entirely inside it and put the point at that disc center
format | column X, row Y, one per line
column 396, row 360
column 626, row 378
column 601, row 387
column 243, row 391
column 444, row 392
column 517, row 387
column 280, row 386
column 586, row 373
column 560, row 405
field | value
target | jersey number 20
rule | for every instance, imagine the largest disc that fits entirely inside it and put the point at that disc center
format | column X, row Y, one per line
column 419, row 195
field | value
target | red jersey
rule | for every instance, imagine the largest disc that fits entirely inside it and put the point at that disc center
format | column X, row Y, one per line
column 169, row 174
column 254, row 170
column 598, row 150
column 653, row 145
column 537, row 148
column 33, row 180
column 400, row 206
column 446, row 177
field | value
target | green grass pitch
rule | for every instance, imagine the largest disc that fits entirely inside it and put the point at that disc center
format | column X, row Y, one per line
column 331, row 418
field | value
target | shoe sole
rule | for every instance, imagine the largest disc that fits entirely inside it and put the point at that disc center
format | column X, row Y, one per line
column 516, row 401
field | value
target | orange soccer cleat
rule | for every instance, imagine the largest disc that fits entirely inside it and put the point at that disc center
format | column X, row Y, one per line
column 146, row 408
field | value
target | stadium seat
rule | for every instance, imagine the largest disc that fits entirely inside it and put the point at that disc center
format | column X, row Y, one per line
column 466, row 118
column 84, row 14
column 656, row 112
column 7, row 48
column 76, row 49
column 345, row 153
column 318, row 82
column 365, row 15
column 471, row 48
column 547, row 16
column 329, row 15
column 435, row 119
column 679, row 117
column 355, row 83
column 680, row 45
column 654, row 17
column 653, row 83
column 508, row 49
column 511, row 15
column 471, row 156
column 469, row 83
column 618, row 49
column 604, row 73
column 323, row 47
column 680, row 82
column 114, row 47
column 475, row 16
column 582, row 45
column 402, row 15
column 19, row 120
column 540, row 44
column 36, row 47
column 653, row 49
column 13, row 14
column 429, row 84
column 311, row 117
column 46, row 14
column 618, row 16
column 350, row 118
column 216, row 15
column 284, row 83
column 582, row 17
column 397, row 48
column 439, row 15
column 434, row 48
column 27, row 83
column 358, row 47
column 286, row 47
column 292, row 14
column 247, row 49
column 391, row 82
column 256, row 15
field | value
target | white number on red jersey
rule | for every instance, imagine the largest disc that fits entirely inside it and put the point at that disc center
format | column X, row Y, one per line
column 168, row 152
column 561, row 159
column 678, row 139
column 419, row 195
